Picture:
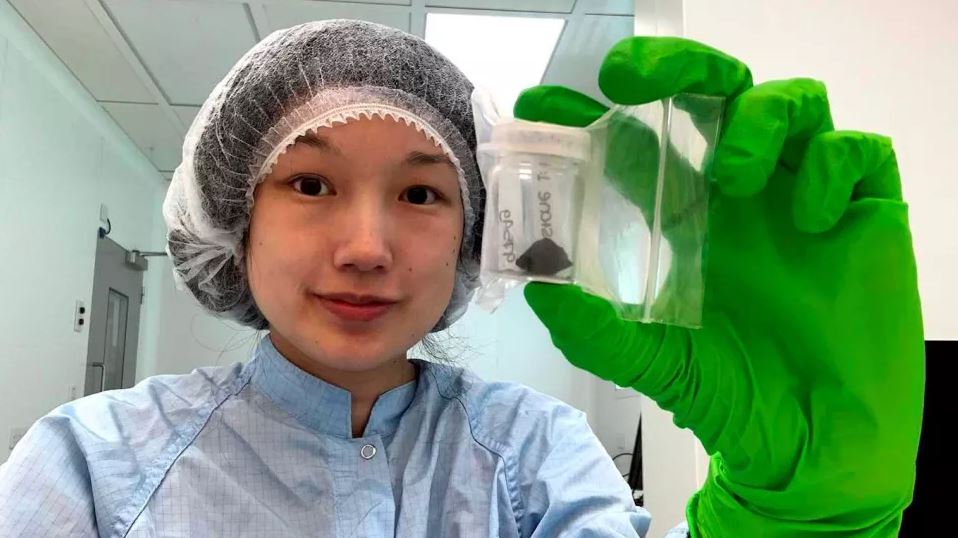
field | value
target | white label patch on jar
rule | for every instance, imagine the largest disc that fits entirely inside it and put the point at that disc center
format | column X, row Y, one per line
column 511, row 238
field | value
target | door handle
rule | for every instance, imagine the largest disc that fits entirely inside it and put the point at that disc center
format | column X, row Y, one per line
column 102, row 368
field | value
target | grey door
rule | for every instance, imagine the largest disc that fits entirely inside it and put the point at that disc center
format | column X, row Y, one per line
column 114, row 320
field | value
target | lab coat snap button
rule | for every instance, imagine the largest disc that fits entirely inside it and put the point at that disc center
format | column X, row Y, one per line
column 367, row 452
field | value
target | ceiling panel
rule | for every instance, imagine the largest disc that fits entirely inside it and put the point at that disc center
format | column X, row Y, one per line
column 372, row 2
column 283, row 15
column 188, row 46
column 150, row 130
column 406, row 3
column 548, row 6
column 581, row 50
column 608, row 7
column 186, row 114
column 75, row 35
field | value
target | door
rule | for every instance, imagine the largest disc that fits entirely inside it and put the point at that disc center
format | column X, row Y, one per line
column 114, row 319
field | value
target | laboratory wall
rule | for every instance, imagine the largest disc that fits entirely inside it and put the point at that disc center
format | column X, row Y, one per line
column 61, row 158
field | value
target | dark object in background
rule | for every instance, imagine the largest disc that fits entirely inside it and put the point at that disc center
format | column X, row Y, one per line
column 928, row 514
column 635, row 469
column 544, row 257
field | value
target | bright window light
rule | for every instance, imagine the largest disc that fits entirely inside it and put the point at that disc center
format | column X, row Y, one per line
column 503, row 54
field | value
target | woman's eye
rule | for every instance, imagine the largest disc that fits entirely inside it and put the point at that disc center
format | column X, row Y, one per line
column 310, row 186
column 420, row 195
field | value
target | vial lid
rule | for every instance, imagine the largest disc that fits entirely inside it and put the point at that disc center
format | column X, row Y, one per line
column 520, row 136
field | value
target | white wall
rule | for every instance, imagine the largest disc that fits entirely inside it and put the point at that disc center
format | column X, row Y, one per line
column 890, row 68
column 61, row 156
column 617, row 417
column 674, row 466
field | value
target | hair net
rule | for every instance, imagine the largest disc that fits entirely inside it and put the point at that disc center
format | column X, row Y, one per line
column 313, row 75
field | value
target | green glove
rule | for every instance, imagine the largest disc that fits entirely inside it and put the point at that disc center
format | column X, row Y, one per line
column 805, row 382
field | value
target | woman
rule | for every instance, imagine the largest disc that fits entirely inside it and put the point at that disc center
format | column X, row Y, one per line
column 329, row 194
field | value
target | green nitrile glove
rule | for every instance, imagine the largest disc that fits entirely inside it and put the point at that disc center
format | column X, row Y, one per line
column 805, row 382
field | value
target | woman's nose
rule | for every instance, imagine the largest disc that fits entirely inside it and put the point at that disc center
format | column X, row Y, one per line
column 364, row 243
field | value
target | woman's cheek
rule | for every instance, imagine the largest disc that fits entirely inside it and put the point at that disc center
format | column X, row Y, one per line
column 450, row 255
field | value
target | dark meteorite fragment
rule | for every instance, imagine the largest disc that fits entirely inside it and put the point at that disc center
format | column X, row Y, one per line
column 545, row 258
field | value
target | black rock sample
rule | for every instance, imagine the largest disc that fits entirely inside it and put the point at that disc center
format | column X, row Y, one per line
column 544, row 257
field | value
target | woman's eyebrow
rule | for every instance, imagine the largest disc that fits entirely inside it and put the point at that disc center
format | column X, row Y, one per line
column 318, row 142
column 418, row 158
column 414, row 158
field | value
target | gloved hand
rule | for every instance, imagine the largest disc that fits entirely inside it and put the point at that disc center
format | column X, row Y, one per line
column 805, row 382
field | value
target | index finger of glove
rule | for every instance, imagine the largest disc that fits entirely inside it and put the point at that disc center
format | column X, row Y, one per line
column 643, row 69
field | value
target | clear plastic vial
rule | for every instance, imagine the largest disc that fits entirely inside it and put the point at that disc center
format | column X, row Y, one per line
column 618, row 208
column 537, row 182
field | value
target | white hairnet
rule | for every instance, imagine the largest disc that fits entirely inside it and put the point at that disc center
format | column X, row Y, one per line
column 312, row 75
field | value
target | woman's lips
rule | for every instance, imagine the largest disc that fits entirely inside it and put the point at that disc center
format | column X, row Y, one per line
column 355, row 312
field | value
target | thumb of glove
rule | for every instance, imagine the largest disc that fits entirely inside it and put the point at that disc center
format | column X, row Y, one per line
column 592, row 336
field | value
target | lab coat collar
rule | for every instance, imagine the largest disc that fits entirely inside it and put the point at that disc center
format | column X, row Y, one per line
column 323, row 406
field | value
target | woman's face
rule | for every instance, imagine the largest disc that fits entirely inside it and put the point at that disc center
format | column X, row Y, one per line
column 353, row 243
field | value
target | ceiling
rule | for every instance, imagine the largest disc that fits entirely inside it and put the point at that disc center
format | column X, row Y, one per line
column 151, row 63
